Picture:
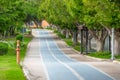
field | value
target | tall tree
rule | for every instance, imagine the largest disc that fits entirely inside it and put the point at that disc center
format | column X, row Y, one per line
column 109, row 17
column 92, row 22
column 13, row 14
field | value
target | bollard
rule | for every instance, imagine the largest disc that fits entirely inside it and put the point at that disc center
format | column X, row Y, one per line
column 18, row 52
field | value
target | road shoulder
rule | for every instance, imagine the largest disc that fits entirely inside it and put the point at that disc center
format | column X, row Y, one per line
column 32, row 64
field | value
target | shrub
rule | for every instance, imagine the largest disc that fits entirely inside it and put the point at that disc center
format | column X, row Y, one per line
column 19, row 37
column 29, row 32
column 17, row 33
column 3, row 48
column 23, row 45
column 61, row 35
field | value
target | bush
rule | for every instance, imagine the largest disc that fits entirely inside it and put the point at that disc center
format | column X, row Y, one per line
column 59, row 34
column 23, row 45
column 3, row 48
column 17, row 33
column 29, row 32
column 19, row 37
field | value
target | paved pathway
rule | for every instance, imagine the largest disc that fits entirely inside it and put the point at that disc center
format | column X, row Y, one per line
column 46, row 61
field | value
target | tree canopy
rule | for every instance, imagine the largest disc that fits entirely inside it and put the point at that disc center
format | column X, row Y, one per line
column 13, row 13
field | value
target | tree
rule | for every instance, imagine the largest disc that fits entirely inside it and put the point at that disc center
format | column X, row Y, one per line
column 99, row 16
column 74, row 11
column 13, row 14
column 109, row 17
column 92, row 22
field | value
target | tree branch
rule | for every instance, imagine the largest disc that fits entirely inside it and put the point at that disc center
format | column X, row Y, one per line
column 93, row 34
column 107, row 28
column 105, row 33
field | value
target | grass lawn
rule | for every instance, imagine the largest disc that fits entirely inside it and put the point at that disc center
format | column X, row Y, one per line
column 117, row 57
column 70, row 43
column 9, row 69
column 103, row 55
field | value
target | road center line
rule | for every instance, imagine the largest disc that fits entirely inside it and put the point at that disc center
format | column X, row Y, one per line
column 68, row 67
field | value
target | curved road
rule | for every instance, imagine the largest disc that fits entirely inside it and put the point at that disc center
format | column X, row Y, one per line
column 61, row 67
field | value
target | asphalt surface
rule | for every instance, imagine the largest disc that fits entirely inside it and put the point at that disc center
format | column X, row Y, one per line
column 59, row 66
column 49, row 58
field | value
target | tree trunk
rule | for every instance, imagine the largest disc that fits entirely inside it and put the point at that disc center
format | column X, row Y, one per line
column 89, row 41
column 71, row 33
column 116, row 39
column 63, row 32
column 58, row 29
column 100, row 45
column 36, row 23
column 0, row 36
column 89, row 44
column 52, row 26
column 100, row 38
column 75, row 41
column 5, row 34
column 67, row 34
column 117, row 46
column 12, row 30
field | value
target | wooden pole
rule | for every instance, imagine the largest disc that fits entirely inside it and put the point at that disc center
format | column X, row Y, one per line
column 18, row 52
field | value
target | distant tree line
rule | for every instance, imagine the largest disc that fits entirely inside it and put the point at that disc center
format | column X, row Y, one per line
column 99, row 16
column 14, row 13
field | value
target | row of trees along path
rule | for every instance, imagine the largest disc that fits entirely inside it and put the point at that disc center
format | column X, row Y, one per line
column 99, row 16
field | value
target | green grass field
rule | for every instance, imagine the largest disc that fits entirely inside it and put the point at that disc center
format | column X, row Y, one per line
column 103, row 55
column 9, row 69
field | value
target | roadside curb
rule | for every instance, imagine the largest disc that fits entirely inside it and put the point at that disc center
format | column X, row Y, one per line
column 116, row 62
column 99, row 59
column 24, row 71
column 22, row 66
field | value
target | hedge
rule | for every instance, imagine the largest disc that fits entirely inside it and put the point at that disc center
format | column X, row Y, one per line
column 19, row 37
column 3, row 48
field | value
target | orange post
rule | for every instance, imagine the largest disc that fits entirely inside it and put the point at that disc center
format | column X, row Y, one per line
column 18, row 52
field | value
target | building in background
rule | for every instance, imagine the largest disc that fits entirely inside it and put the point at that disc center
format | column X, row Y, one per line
column 45, row 24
